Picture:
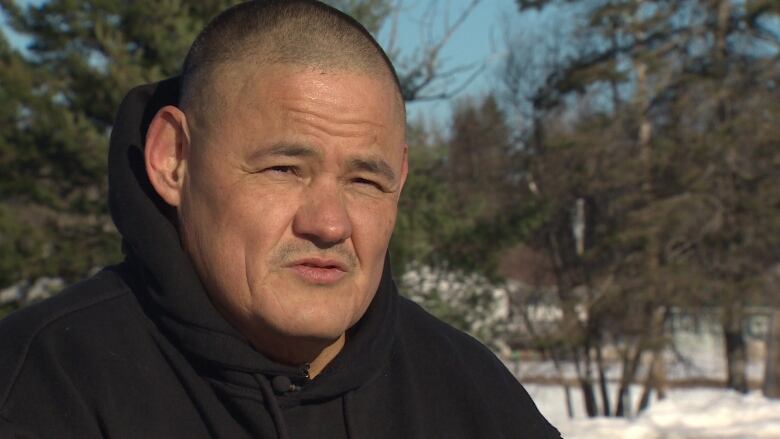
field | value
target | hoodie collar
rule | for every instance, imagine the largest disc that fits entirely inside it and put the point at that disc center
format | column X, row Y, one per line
column 167, row 284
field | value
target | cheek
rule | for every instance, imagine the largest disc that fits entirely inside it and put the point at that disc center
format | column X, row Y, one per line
column 370, row 236
column 255, row 221
column 233, row 229
column 372, row 226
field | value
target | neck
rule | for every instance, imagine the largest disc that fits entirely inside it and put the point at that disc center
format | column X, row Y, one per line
column 325, row 356
column 317, row 353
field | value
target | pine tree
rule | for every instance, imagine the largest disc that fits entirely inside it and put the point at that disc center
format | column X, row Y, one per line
column 57, row 103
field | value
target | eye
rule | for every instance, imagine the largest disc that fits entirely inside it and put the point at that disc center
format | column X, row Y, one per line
column 368, row 183
column 282, row 169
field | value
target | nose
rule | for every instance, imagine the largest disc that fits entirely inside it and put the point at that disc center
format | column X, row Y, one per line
column 322, row 218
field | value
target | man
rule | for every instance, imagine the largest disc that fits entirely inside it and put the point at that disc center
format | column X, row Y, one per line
column 256, row 299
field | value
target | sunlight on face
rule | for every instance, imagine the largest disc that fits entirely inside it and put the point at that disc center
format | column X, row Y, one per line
column 290, row 199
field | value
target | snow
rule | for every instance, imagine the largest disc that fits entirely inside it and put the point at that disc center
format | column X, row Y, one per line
column 25, row 292
column 696, row 413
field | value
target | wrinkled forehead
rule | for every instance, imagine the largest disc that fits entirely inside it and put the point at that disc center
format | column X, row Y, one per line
column 368, row 95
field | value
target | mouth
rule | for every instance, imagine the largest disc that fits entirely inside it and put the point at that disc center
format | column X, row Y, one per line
column 319, row 271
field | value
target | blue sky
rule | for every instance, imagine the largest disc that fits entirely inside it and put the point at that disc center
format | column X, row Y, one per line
column 479, row 40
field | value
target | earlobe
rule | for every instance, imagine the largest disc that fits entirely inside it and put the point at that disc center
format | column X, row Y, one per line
column 165, row 153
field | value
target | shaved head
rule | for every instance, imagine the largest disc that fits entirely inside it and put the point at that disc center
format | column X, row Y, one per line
column 261, row 33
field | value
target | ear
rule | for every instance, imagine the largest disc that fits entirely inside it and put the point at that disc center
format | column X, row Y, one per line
column 166, row 152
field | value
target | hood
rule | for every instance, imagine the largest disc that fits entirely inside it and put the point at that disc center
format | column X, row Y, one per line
column 168, row 286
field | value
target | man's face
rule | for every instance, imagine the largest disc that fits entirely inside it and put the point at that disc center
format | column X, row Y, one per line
column 290, row 198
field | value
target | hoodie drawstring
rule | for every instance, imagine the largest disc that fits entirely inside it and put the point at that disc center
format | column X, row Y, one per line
column 347, row 419
column 273, row 406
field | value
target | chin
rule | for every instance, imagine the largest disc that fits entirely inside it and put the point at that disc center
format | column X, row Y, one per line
column 321, row 313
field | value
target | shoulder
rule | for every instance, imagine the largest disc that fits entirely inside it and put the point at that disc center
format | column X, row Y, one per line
column 453, row 363
column 54, row 331
column 422, row 331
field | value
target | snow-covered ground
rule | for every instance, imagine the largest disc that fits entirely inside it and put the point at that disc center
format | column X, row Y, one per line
column 686, row 413
column 699, row 413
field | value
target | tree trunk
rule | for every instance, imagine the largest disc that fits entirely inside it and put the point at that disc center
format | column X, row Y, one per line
column 736, row 349
column 771, row 387
column 630, row 366
column 647, row 390
column 655, row 380
column 567, row 395
column 586, row 385
column 659, row 377
column 589, row 396
column 623, row 401
column 605, row 408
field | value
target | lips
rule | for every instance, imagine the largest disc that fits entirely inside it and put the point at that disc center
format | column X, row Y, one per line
column 319, row 271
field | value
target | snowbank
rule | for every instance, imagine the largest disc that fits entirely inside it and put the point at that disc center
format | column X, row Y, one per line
column 685, row 414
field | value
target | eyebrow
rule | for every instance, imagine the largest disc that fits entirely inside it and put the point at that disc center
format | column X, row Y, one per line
column 284, row 150
column 372, row 165
column 291, row 150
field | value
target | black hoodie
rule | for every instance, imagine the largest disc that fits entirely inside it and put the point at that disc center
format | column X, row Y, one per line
column 139, row 351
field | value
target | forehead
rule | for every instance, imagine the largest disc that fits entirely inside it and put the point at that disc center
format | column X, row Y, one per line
column 346, row 96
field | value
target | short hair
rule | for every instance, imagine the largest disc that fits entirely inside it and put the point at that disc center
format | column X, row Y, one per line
column 268, row 32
